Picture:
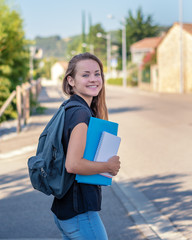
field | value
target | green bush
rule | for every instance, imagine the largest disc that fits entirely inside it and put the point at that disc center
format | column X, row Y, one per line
column 131, row 81
column 115, row 81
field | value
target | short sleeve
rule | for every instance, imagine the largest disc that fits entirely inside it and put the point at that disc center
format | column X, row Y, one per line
column 80, row 115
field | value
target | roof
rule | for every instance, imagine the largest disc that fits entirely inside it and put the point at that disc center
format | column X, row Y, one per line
column 186, row 26
column 152, row 42
column 63, row 64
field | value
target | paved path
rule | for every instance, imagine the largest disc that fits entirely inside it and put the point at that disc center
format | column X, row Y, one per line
column 126, row 211
column 24, row 212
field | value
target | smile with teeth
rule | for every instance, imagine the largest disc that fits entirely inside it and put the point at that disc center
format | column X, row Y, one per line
column 92, row 86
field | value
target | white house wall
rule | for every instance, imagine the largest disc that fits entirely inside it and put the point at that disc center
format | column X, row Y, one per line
column 56, row 72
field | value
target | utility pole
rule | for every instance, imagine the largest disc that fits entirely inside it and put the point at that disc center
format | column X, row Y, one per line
column 124, row 49
column 91, row 46
column 181, row 45
column 108, row 38
column 83, row 33
column 124, row 54
column 108, row 54
column 32, row 53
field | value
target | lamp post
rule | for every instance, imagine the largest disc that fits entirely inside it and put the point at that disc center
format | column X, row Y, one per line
column 32, row 50
column 124, row 49
column 108, row 38
column 91, row 47
column 124, row 54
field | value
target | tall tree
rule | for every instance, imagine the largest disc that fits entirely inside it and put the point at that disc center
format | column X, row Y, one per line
column 83, row 33
column 99, row 44
column 14, row 56
column 139, row 27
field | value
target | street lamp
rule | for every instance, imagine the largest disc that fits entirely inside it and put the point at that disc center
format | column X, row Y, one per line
column 108, row 38
column 124, row 54
column 32, row 50
column 91, row 47
column 124, row 49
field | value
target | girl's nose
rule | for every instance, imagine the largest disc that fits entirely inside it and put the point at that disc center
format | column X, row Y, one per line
column 92, row 78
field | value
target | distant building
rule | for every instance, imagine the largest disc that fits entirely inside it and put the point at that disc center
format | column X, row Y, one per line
column 169, row 59
column 143, row 47
column 58, row 70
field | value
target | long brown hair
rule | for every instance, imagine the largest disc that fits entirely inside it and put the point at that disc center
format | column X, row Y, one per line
column 98, row 104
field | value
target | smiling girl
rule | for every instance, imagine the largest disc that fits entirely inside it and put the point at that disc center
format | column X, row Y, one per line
column 76, row 214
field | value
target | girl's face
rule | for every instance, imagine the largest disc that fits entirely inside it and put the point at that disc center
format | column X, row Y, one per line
column 87, row 82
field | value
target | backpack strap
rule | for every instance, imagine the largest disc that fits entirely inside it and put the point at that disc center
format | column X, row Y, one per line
column 69, row 104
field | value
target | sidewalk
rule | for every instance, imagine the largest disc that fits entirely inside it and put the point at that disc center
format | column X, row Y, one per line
column 126, row 212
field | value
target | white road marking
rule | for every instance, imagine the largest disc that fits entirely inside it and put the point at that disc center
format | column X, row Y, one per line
column 18, row 152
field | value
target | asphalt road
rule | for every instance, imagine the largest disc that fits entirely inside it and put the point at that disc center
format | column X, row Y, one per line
column 156, row 149
column 24, row 212
column 156, row 132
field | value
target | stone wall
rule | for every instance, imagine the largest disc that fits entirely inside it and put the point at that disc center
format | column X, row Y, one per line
column 168, row 60
column 188, row 62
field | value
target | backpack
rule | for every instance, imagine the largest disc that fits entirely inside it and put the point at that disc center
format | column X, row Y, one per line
column 47, row 169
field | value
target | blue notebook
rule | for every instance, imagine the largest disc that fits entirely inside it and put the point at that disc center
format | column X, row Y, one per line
column 95, row 129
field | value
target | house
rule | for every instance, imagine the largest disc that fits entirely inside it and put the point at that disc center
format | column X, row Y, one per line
column 143, row 47
column 58, row 70
column 174, row 60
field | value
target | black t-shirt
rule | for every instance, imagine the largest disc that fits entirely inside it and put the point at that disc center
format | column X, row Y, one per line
column 80, row 197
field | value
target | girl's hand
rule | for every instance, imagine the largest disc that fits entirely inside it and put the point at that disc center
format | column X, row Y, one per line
column 114, row 165
column 76, row 164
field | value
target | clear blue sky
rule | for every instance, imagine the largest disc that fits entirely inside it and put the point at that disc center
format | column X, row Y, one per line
column 63, row 17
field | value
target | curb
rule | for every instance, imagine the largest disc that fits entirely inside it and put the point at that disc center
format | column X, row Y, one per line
column 148, row 219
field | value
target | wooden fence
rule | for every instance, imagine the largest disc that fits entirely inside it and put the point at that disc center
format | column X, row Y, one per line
column 22, row 94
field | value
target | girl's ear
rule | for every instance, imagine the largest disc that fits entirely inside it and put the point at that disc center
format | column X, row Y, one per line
column 71, row 81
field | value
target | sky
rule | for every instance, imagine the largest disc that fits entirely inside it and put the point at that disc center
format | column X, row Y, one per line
column 60, row 17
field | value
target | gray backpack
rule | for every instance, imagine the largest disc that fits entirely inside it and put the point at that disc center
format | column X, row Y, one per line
column 47, row 169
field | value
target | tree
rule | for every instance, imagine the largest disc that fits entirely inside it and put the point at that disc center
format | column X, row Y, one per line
column 14, row 56
column 99, row 44
column 42, row 68
column 139, row 27
column 74, row 46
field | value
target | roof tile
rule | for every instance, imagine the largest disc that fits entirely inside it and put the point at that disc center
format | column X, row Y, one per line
column 152, row 42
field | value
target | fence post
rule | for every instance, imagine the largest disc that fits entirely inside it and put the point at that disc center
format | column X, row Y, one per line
column 24, row 104
column 139, row 76
column 34, row 90
column 39, row 86
column 18, row 99
column 27, row 89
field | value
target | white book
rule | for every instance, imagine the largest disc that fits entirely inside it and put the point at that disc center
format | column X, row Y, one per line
column 108, row 147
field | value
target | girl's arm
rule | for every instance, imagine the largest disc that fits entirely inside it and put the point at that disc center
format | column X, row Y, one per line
column 75, row 163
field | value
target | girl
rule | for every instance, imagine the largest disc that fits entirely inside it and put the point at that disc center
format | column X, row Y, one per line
column 76, row 214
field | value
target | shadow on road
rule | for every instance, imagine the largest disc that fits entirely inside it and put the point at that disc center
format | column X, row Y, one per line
column 124, row 109
column 168, row 195
column 25, row 212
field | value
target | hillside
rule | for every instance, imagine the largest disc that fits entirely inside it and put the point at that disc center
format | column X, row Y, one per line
column 53, row 46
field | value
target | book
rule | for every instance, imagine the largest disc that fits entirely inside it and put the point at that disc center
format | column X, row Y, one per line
column 94, row 132
column 108, row 147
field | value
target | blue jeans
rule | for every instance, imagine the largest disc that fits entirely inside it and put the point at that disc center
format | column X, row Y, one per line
column 85, row 226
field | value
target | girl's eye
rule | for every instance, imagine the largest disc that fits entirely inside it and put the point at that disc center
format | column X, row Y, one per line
column 97, row 74
column 85, row 75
